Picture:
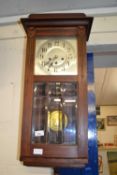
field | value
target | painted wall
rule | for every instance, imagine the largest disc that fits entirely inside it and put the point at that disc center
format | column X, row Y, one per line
column 12, row 54
column 107, row 135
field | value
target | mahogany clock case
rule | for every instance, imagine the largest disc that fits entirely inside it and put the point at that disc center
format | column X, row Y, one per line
column 55, row 107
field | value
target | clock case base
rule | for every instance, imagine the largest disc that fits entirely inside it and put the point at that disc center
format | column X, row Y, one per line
column 53, row 162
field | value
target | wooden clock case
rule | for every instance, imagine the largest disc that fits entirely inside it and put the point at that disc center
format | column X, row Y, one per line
column 56, row 155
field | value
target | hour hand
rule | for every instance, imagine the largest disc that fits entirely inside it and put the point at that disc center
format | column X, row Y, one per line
column 51, row 61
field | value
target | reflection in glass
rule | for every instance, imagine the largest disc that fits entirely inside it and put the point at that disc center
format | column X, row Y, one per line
column 54, row 113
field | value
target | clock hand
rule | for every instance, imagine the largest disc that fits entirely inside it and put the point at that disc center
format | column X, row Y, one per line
column 46, row 63
column 50, row 62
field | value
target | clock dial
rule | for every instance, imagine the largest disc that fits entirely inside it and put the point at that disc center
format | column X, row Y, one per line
column 56, row 57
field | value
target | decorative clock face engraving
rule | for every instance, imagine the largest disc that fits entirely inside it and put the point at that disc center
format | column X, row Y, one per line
column 56, row 56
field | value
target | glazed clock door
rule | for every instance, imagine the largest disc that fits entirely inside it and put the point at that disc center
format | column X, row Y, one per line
column 55, row 98
column 55, row 102
column 55, row 112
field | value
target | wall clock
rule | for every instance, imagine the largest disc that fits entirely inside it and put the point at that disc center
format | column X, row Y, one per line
column 55, row 108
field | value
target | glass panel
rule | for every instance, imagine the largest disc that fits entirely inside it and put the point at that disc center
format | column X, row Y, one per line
column 56, row 56
column 54, row 113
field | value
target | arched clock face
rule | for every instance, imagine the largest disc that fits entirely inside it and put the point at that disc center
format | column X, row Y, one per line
column 55, row 57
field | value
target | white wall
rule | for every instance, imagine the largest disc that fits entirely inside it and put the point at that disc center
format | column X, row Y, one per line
column 12, row 54
column 107, row 135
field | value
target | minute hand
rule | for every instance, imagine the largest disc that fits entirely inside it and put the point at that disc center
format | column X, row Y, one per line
column 50, row 63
